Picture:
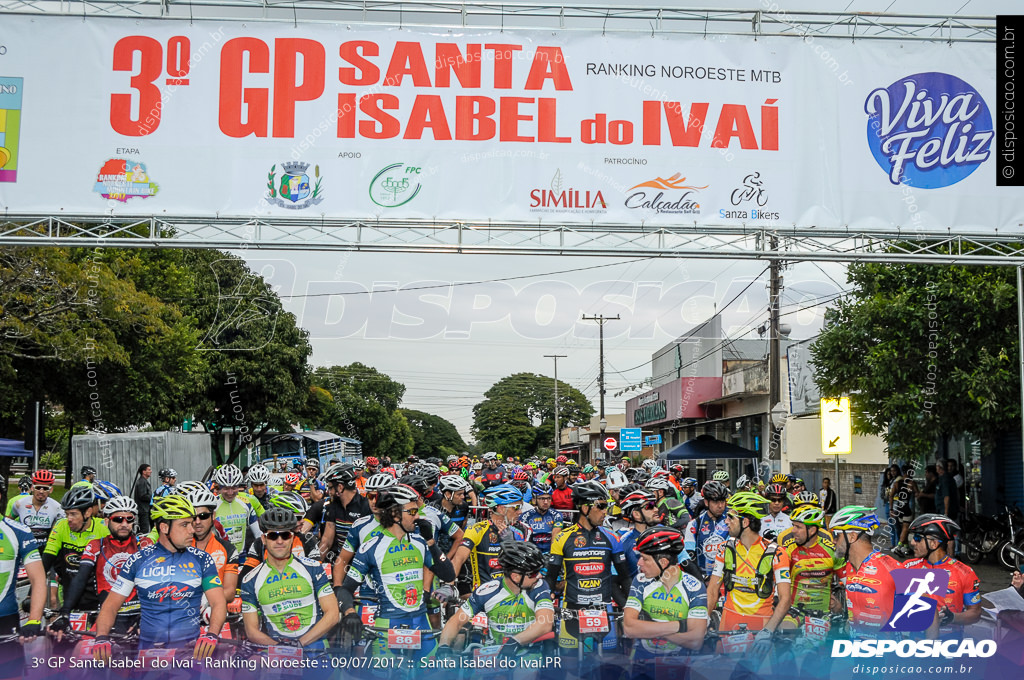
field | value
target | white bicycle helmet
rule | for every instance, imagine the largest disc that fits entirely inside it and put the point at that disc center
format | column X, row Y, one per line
column 120, row 504
column 202, row 497
column 649, row 464
column 490, row 455
column 616, row 479
column 658, row 483
column 185, row 488
column 381, row 480
column 258, row 474
column 454, row 484
column 228, row 475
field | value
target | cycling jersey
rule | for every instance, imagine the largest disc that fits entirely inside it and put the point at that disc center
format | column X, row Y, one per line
column 362, row 531
column 589, row 557
column 561, row 499
column 224, row 555
column 104, row 557
column 813, row 568
column 870, row 593
column 164, row 490
column 444, row 528
column 489, row 478
column 705, row 536
column 307, row 484
column 672, row 510
column 343, row 516
column 507, row 614
column 687, row 599
column 236, row 517
column 252, row 501
column 287, row 600
column 396, row 568
column 773, row 526
column 65, row 547
column 9, row 512
column 750, row 584
column 459, row 513
column 963, row 591
column 542, row 526
column 484, row 544
column 40, row 522
column 18, row 548
column 170, row 587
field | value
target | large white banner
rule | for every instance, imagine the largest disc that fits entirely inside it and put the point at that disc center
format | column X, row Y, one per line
column 169, row 118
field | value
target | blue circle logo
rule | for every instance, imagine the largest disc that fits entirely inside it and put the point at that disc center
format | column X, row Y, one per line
column 928, row 130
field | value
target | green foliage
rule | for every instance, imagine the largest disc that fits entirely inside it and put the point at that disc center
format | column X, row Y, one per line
column 360, row 402
column 517, row 415
column 924, row 351
column 433, row 435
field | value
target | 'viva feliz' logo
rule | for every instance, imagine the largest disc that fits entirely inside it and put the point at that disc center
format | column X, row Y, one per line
column 928, row 130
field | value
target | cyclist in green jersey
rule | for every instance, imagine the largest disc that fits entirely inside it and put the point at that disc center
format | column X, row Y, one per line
column 290, row 596
column 517, row 604
column 235, row 512
column 24, row 487
column 69, row 538
column 667, row 609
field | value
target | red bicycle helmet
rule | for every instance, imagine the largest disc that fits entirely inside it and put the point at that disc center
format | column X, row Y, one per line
column 42, row 478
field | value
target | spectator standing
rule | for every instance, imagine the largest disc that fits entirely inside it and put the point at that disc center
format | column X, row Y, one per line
column 142, row 495
column 945, row 492
column 926, row 496
column 828, row 499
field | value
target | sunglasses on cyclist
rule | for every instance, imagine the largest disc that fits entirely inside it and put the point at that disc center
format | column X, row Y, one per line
column 918, row 537
column 42, row 488
column 412, row 511
column 371, row 495
column 279, row 535
column 603, row 505
column 732, row 515
column 651, row 506
column 123, row 520
column 204, row 515
column 777, row 499
column 532, row 574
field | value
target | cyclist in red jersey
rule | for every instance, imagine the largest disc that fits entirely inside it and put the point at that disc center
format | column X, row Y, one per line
column 561, row 493
column 104, row 557
column 870, row 590
column 929, row 536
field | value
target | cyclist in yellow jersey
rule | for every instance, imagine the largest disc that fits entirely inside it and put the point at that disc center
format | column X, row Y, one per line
column 482, row 541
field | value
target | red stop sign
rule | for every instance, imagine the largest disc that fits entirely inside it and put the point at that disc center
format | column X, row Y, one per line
column 610, row 444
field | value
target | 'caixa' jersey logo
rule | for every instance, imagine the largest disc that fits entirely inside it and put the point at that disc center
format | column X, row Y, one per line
column 928, row 130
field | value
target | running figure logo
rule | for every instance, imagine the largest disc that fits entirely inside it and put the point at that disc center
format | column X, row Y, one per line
column 918, row 592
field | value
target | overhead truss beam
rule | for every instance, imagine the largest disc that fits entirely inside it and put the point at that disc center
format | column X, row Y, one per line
column 456, row 237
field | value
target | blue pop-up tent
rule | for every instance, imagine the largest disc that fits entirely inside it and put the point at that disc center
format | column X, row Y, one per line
column 13, row 447
column 706, row 447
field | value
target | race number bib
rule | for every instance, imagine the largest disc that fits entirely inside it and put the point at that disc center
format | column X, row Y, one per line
column 368, row 614
column 815, row 629
column 593, row 621
column 401, row 638
column 737, row 644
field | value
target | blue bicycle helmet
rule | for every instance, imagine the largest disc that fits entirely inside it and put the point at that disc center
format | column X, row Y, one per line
column 105, row 490
column 503, row 494
column 689, row 481
column 541, row 490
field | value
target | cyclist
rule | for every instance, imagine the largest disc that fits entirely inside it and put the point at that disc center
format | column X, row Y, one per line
column 744, row 483
column 691, row 499
column 640, row 512
column 290, row 481
column 815, row 571
column 102, row 560
column 870, row 589
column 492, row 474
column 238, row 514
column 363, row 530
column 517, row 604
column 777, row 521
column 543, row 521
column 402, row 564
column 667, row 609
column 447, row 533
column 38, row 512
column 454, row 498
column 304, row 543
column 69, row 538
column 673, row 511
column 345, row 507
column 88, row 477
column 752, row 572
column 960, row 606
column 223, row 551
column 288, row 598
column 24, row 491
column 707, row 532
column 482, row 541
column 258, row 478
column 596, row 568
column 168, row 477
column 19, row 549
column 721, row 476
column 171, row 577
column 561, row 492
column 310, row 485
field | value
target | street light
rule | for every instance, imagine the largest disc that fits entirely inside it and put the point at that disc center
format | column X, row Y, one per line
column 604, row 424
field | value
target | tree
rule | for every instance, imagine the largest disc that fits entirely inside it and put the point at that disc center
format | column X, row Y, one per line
column 924, row 351
column 360, row 402
column 517, row 415
column 433, row 435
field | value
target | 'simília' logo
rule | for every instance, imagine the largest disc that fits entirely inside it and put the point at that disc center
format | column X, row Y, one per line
column 928, row 130
column 918, row 592
column 395, row 185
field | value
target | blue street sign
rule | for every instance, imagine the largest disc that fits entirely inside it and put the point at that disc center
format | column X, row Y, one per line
column 652, row 440
column 630, row 439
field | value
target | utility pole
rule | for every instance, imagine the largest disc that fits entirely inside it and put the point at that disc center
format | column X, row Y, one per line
column 601, row 319
column 774, row 348
column 558, row 432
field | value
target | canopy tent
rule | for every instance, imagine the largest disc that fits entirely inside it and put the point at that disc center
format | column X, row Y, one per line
column 13, row 447
column 706, row 447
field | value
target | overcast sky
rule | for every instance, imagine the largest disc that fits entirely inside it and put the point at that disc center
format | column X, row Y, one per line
column 447, row 366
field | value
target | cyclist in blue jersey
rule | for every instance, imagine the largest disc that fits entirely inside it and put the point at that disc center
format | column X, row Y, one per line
column 640, row 509
column 454, row 498
column 171, row 578
column 690, row 498
column 169, row 477
column 544, row 522
column 708, row 532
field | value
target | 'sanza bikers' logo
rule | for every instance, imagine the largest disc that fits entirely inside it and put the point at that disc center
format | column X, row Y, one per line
column 928, row 130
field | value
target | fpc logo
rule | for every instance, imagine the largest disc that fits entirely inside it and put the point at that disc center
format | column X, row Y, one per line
column 928, row 130
column 917, row 594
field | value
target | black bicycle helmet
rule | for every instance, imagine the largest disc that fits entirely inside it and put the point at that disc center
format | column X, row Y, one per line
column 277, row 518
column 520, row 556
column 628, row 489
column 588, row 493
column 714, row 491
column 932, row 524
column 660, row 540
column 78, row 498
column 88, row 470
column 422, row 481
column 24, row 484
column 341, row 473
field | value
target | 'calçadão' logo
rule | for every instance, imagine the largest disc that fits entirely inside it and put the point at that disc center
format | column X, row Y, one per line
column 672, row 196
column 928, row 130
